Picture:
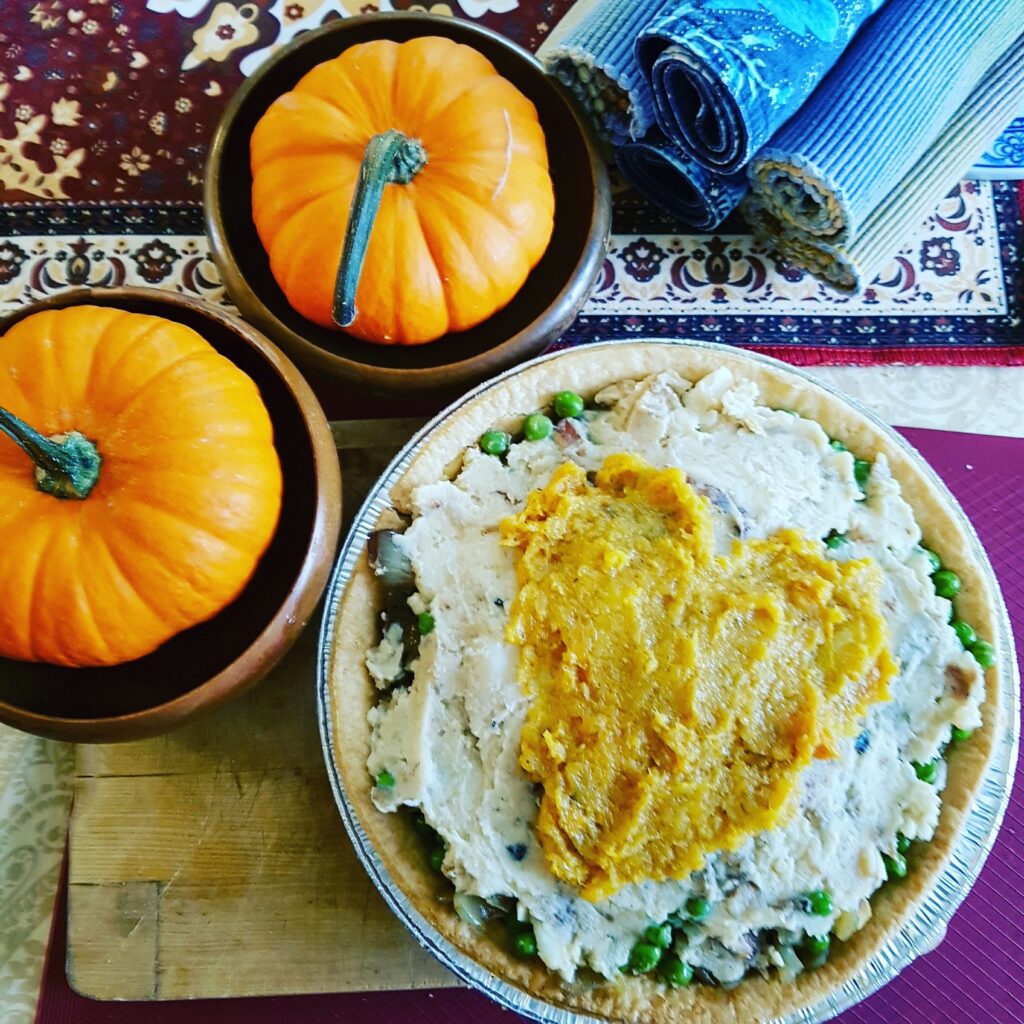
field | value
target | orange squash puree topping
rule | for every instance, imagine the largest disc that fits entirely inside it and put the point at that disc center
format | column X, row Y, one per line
column 676, row 694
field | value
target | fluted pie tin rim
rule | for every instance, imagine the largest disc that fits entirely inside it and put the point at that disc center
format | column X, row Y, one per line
column 247, row 638
column 918, row 935
column 544, row 307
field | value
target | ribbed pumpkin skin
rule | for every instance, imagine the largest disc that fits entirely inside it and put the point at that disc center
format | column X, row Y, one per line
column 187, row 500
column 448, row 249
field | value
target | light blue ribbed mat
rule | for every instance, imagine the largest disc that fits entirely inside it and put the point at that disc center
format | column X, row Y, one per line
column 914, row 197
column 725, row 74
column 591, row 52
column 878, row 111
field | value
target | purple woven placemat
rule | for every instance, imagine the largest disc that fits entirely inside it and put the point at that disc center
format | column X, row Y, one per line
column 973, row 977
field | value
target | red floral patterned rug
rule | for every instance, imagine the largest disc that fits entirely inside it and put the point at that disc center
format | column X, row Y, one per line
column 107, row 106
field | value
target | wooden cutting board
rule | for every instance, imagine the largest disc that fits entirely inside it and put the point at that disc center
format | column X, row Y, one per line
column 213, row 862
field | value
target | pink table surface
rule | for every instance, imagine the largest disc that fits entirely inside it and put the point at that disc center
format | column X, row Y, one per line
column 974, row 976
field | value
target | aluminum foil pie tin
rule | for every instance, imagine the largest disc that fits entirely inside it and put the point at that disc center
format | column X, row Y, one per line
column 921, row 934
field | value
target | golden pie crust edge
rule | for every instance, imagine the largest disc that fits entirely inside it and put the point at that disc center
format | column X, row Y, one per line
column 503, row 405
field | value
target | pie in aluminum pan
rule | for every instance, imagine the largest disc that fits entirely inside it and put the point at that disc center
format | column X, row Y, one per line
column 352, row 694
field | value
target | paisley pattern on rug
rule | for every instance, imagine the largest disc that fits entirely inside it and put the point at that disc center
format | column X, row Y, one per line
column 955, row 286
column 119, row 99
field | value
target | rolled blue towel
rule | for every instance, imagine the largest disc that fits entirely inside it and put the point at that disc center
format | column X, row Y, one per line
column 725, row 74
column 699, row 198
column 591, row 51
column 878, row 111
column 995, row 99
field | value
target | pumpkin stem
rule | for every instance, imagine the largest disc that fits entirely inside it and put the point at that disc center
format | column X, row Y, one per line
column 67, row 465
column 389, row 157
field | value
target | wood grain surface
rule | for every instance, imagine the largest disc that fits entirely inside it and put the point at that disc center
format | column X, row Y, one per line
column 212, row 861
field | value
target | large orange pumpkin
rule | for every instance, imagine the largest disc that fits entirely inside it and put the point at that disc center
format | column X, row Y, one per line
column 139, row 484
column 453, row 154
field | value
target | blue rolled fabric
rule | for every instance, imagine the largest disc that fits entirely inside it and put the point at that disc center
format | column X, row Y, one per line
column 591, row 51
column 700, row 198
column 726, row 74
column 878, row 111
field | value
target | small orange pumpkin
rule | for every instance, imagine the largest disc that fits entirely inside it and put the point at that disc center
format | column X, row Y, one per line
column 155, row 489
column 401, row 190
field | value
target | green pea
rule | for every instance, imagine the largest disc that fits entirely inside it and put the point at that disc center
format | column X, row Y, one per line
column 928, row 772
column 964, row 632
column 984, row 653
column 425, row 623
column 947, row 583
column 385, row 780
column 643, row 957
column 658, row 935
column 536, row 427
column 697, row 908
column 818, row 902
column 861, row 472
column 835, row 540
column 567, row 404
column 960, row 735
column 816, row 948
column 902, row 843
column 525, row 943
column 837, row 445
column 675, row 972
column 495, row 442
column 895, row 866
column 436, row 857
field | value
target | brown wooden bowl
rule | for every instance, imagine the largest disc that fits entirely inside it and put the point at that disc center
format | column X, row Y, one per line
column 543, row 308
column 204, row 666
